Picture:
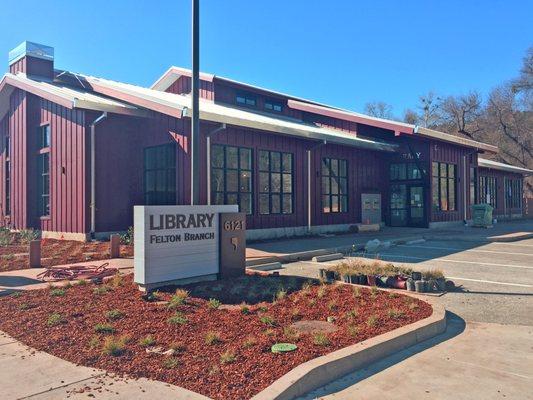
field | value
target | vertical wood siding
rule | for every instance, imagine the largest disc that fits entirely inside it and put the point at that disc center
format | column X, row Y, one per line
column 182, row 85
column 4, row 124
column 500, row 189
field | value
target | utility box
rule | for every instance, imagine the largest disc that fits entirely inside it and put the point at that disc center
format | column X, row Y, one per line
column 482, row 215
column 371, row 208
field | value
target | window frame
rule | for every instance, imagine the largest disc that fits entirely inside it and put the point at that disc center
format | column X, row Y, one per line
column 513, row 193
column 439, row 191
column 169, row 169
column 45, row 131
column 43, row 176
column 273, row 103
column 328, row 209
column 488, row 185
column 281, row 172
column 239, row 171
column 7, row 175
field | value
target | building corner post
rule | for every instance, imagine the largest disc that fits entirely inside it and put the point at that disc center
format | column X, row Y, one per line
column 195, row 121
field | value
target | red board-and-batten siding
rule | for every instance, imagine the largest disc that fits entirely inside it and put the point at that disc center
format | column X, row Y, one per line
column 500, row 190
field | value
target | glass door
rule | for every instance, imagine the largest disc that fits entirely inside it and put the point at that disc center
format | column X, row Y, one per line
column 416, row 206
column 398, row 205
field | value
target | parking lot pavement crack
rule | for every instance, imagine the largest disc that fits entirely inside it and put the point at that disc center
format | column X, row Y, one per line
column 62, row 386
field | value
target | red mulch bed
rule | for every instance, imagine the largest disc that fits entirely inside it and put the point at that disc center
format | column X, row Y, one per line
column 198, row 365
column 57, row 252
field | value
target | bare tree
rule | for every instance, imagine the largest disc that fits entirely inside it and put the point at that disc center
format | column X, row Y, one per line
column 429, row 108
column 461, row 114
column 379, row 109
column 410, row 117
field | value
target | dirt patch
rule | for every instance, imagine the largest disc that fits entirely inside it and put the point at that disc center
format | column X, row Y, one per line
column 221, row 353
column 57, row 252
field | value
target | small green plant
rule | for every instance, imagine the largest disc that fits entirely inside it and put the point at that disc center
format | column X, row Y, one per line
column 267, row 320
column 250, row 341
column 104, row 328
column 147, row 341
column 114, row 346
column 182, row 294
column 16, row 294
column 321, row 291
column 24, row 306
column 94, row 342
column 177, row 347
column 212, row 338
column 352, row 314
column 332, row 305
column 352, row 330
column 262, row 309
column 269, row 332
column 312, row 302
column 227, row 357
column 320, row 339
column 81, row 282
column 57, row 292
column 413, row 306
column 6, row 237
column 213, row 370
column 176, row 301
column 395, row 313
column 127, row 238
column 281, row 294
column 296, row 315
column 177, row 319
column 393, row 295
column 372, row 320
column 306, row 286
column 54, row 319
column 100, row 290
column 214, row 304
column 27, row 235
column 374, row 292
column 113, row 315
column 116, row 281
column 245, row 309
column 291, row 334
column 171, row 363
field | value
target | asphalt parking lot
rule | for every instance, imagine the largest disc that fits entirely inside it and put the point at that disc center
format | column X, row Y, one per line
column 486, row 351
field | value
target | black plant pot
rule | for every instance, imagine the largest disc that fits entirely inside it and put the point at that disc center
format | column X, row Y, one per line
column 416, row 276
column 363, row 280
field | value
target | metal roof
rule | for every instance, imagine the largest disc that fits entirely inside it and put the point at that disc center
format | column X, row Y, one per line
column 484, row 163
column 64, row 95
column 173, row 73
column 180, row 106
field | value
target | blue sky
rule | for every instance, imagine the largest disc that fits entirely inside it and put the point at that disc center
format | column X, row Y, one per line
column 344, row 53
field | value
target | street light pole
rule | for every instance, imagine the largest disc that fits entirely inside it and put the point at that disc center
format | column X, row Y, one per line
column 195, row 122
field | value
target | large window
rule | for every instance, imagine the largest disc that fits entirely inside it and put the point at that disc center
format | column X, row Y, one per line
column 444, row 185
column 44, row 184
column 231, row 176
column 7, row 181
column 487, row 190
column 473, row 185
column 513, row 193
column 404, row 171
column 275, row 182
column 273, row 105
column 44, row 136
column 160, row 175
column 334, row 185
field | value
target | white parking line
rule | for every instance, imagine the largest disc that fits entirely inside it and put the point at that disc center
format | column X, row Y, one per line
column 493, row 282
column 456, row 261
column 470, row 250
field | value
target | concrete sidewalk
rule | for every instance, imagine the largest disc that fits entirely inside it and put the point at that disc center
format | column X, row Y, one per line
column 51, row 378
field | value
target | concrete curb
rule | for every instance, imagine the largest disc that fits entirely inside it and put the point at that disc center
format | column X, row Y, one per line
column 322, row 370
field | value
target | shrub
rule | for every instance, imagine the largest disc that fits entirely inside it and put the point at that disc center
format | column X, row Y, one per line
column 352, row 314
column 212, row 338
column 227, row 357
column 171, row 362
column 245, row 309
column 81, row 282
column 353, row 330
column 127, row 238
column 267, row 320
column 395, row 313
column 54, row 319
column 291, row 334
column 321, row 291
column 6, row 237
column 176, row 301
column 27, row 235
column 94, row 342
column 372, row 320
column 104, row 328
column 147, row 341
column 57, row 292
column 114, row 346
column 432, row 274
column 250, row 341
column 99, row 290
column 113, row 315
column 281, row 294
column 177, row 319
column 182, row 294
column 214, row 304
column 320, row 339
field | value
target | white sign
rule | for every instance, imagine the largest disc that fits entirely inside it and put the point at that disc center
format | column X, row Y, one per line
column 176, row 242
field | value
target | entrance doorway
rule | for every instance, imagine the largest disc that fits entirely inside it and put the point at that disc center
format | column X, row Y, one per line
column 407, row 205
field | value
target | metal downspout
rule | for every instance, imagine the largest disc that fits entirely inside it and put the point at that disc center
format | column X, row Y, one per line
column 93, row 172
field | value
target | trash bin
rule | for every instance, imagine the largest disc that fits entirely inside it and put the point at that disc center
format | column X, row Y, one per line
column 482, row 215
